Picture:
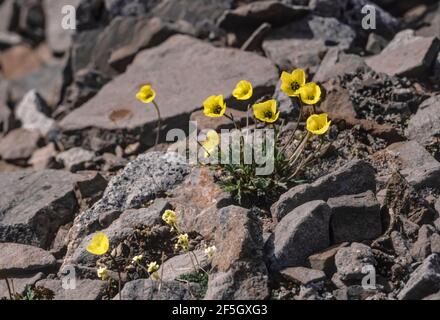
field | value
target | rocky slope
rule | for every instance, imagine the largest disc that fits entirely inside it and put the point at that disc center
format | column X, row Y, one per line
column 77, row 155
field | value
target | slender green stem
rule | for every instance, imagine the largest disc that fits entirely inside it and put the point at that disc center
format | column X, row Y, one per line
column 159, row 122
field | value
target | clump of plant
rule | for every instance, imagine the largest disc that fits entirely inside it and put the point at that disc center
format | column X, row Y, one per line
column 240, row 169
column 100, row 245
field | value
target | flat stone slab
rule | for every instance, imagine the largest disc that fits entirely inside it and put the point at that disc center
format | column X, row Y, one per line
column 181, row 87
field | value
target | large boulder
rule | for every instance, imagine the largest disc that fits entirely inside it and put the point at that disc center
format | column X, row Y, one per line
column 355, row 177
column 301, row 233
column 425, row 124
column 34, row 205
column 207, row 71
column 303, row 43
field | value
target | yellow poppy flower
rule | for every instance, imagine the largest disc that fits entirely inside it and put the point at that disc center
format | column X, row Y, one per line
column 266, row 111
column 243, row 90
column 214, row 106
column 182, row 242
column 102, row 273
column 318, row 124
column 99, row 244
column 146, row 94
column 310, row 93
column 170, row 218
column 211, row 142
column 292, row 82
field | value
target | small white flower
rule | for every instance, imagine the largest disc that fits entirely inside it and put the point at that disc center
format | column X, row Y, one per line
column 210, row 251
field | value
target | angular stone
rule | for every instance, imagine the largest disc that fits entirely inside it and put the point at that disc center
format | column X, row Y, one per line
column 74, row 159
column 406, row 55
column 42, row 158
column 325, row 260
column 301, row 233
column 435, row 243
column 196, row 13
column 351, row 261
column 422, row 247
column 336, row 64
column 180, row 265
column 303, row 43
column 19, row 61
column 355, row 218
column 47, row 80
column 32, row 112
column 59, row 38
column 425, row 124
column 304, row 276
column 239, row 242
column 5, row 118
column 254, row 14
column 149, row 290
column 418, row 167
column 19, row 259
column 353, row 178
column 140, row 181
column 209, row 70
column 19, row 144
column 424, row 281
column 34, row 205
column 85, row 289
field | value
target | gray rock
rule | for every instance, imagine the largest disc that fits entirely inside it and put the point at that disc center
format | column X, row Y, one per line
column 33, row 205
column 85, row 289
column 149, row 290
column 425, row 124
column 418, row 167
column 43, row 158
column 183, row 264
column 74, row 159
column 9, row 39
column 303, row 43
column 19, row 259
column 49, row 81
column 406, row 55
column 210, row 70
column 336, row 64
column 435, row 243
column 254, row 14
column 32, row 112
column 351, row 260
column 59, row 38
column 6, row 15
column 325, row 260
column 196, row 13
column 304, row 276
column 128, row 7
column 19, row 144
column 355, row 218
column 424, row 281
column 437, row 224
column 301, row 233
column 139, row 182
column 353, row 178
column 239, row 242
column 422, row 247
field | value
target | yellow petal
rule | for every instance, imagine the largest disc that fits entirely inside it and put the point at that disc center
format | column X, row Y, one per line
column 266, row 111
column 214, row 106
column 146, row 94
column 299, row 76
column 211, row 142
column 99, row 244
column 310, row 93
column 318, row 124
column 292, row 82
column 243, row 90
